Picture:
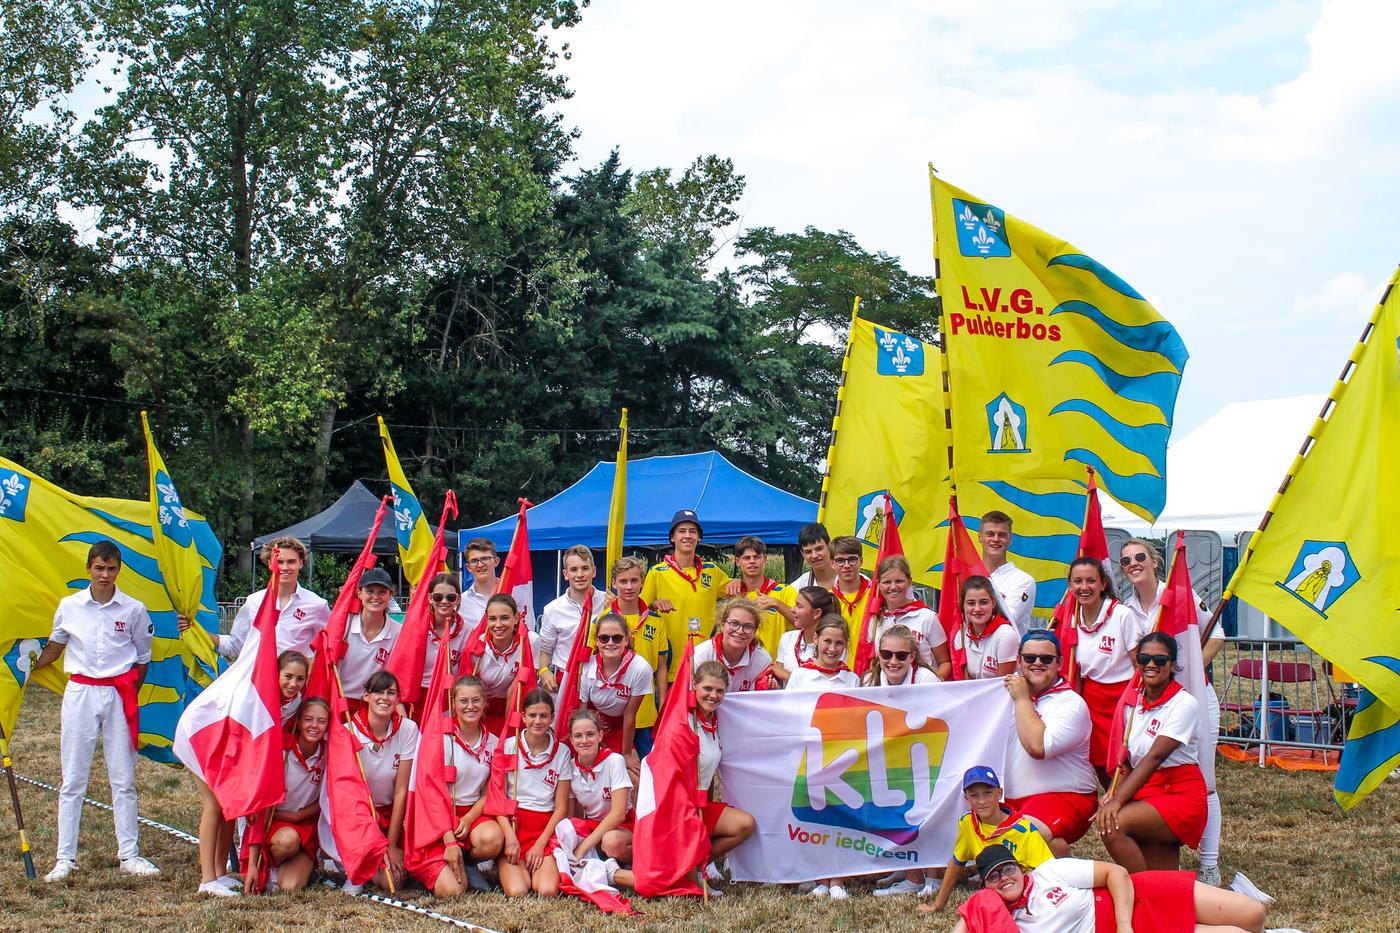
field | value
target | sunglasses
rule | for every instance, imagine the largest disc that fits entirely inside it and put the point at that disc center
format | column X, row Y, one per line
column 894, row 655
column 1160, row 660
column 1127, row 559
column 1004, row 870
column 615, row 639
column 1039, row 658
column 444, row 597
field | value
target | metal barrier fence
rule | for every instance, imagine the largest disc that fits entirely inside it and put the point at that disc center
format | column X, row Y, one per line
column 1277, row 693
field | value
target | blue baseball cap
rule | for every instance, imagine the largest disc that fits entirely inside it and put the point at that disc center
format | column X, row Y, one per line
column 1041, row 634
column 980, row 774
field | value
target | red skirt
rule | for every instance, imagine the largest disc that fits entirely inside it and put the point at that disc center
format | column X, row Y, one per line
column 1163, row 902
column 1178, row 793
column 584, row 826
column 428, row 864
column 306, row 832
column 529, row 826
column 1102, row 700
column 714, row 809
column 460, row 810
column 612, row 731
column 1067, row 814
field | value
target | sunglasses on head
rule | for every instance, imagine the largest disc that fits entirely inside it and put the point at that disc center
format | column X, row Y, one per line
column 1127, row 559
column 614, row 639
column 894, row 655
column 444, row 597
column 1039, row 658
column 1161, row 660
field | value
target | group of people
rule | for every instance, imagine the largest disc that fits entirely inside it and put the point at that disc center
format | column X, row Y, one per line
column 747, row 632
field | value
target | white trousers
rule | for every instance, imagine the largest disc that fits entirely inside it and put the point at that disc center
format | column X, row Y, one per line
column 1210, row 842
column 88, row 712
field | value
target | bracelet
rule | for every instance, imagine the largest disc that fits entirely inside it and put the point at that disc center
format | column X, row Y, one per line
column 452, row 845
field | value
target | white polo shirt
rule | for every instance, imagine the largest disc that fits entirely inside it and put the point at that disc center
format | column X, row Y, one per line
column 1061, row 898
column 473, row 764
column 474, row 604
column 789, row 655
column 363, row 656
column 594, row 788
column 1016, row 589
column 915, row 675
column 1065, row 767
column 810, row 678
column 300, row 621
column 806, row 579
column 1147, row 615
column 743, row 675
column 302, row 779
column 710, row 753
column 985, row 655
column 538, row 774
column 558, row 625
column 498, row 670
column 1103, row 654
column 102, row 639
column 610, row 695
column 923, row 622
column 381, row 760
column 1178, row 718
column 456, row 639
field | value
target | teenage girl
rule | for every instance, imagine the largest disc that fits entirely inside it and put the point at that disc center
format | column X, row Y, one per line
column 389, row 743
column 539, row 784
column 615, row 682
column 735, row 644
column 828, row 669
column 986, row 643
column 896, row 583
column 727, row 825
column 601, row 790
column 501, row 660
column 897, row 660
column 800, row 644
column 292, row 841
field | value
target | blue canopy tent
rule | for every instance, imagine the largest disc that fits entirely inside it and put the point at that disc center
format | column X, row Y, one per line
column 730, row 503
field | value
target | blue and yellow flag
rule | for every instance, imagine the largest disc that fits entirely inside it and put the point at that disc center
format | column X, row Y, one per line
column 1325, row 564
column 1054, row 362
column 889, row 435
column 410, row 524
column 617, row 513
column 45, row 533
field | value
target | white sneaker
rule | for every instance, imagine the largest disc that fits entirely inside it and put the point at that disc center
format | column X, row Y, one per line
column 349, row 888
column 229, row 881
column 928, row 890
column 214, row 889
column 893, row 877
column 1209, row 875
column 714, row 892
column 903, row 886
column 712, row 872
column 820, row 890
column 136, row 865
column 1242, row 885
column 838, row 892
column 61, row 869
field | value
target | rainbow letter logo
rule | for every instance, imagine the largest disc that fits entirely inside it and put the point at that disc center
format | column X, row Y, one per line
column 868, row 768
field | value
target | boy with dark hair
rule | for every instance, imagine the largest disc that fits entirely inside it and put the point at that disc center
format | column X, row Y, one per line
column 481, row 560
column 684, row 589
column 815, row 544
column 774, row 598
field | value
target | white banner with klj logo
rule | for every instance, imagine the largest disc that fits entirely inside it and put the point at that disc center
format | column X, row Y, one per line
column 856, row 781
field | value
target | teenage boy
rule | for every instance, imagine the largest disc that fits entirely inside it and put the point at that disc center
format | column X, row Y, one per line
column 815, row 543
column 648, row 640
column 988, row 822
column 107, row 635
column 482, row 561
column 560, row 619
column 1015, row 588
column 853, row 588
column 684, row 588
column 775, row 599
column 301, row 613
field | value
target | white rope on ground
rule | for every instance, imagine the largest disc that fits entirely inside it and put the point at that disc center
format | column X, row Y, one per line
column 375, row 898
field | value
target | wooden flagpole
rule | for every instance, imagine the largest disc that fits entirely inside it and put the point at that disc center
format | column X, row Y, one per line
column 8, row 765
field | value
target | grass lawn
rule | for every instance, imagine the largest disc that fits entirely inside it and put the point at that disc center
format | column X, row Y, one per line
column 1329, row 871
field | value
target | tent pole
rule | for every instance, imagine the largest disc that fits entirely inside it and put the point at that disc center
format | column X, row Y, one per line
column 558, row 574
column 311, row 570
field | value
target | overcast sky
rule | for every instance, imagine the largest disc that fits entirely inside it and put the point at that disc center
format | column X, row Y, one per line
column 1238, row 163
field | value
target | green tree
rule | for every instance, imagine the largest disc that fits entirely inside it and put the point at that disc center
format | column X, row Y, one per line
column 693, row 211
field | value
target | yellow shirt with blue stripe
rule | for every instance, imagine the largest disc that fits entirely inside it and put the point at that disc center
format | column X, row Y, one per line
column 1025, row 842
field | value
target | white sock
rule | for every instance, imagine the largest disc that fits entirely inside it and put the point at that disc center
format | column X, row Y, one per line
column 1210, row 842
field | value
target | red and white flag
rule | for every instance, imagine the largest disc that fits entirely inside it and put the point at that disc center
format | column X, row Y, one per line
column 1092, row 543
column 230, row 736
column 515, row 579
column 430, row 814
column 410, row 649
column 669, row 839
column 498, row 799
column 889, row 545
column 329, row 644
column 960, row 561
column 570, row 698
column 349, row 828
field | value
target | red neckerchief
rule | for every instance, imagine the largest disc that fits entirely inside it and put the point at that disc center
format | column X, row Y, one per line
column 799, row 645
column 719, row 655
column 1025, row 895
column 767, row 586
column 602, row 679
column 1105, row 614
column 505, row 655
column 997, row 622
column 710, row 725
column 1148, row 706
column 305, row 762
column 1059, row 686
column 1002, row 827
column 912, row 606
column 811, row 665
column 693, row 581
column 851, row 603
column 530, row 765
column 592, row 773
column 453, row 630
column 641, row 609
column 361, row 721
column 462, row 743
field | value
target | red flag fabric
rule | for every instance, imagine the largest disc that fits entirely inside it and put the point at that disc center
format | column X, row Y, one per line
column 669, row 838
column 498, row 801
column 569, row 698
column 230, row 736
column 430, row 813
column 960, row 561
column 515, row 579
column 889, row 544
column 348, row 820
column 1092, row 543
column 329, row 643
column 407, row 657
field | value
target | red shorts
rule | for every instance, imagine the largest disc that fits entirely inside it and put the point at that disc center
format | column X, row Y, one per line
column 585, row 826
column 306, row 832
column 714, row 809
column 1164, row 902
column 1179, row 794
column 1102, row 700
column 460, row 811
column 1067, row 814
column 529, row 826
column 428, row 864
column 384, row 815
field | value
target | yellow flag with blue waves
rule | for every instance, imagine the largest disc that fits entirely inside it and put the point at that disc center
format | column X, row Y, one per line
column 411, row 527
column 45, row 533
column 1054, row 362
column 889, row 435
column 1326, row 565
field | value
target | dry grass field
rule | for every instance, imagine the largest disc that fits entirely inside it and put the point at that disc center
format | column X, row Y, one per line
column 1329, row 871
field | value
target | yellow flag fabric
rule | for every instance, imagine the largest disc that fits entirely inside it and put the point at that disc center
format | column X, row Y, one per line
column 1372, row 751
column 889, row 435
column 411, row 527
column 1326, row 565
column 45, row 533
column 1054, row 362
column 181, row 566
column 617, row 514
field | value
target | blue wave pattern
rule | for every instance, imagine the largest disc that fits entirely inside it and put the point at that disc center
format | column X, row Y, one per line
column 1365, row 754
